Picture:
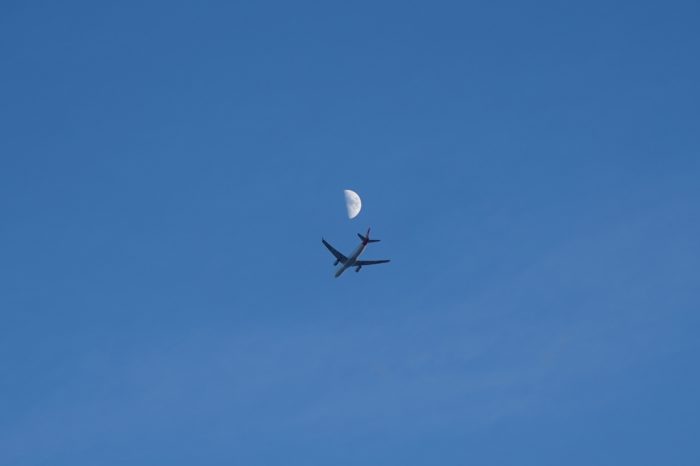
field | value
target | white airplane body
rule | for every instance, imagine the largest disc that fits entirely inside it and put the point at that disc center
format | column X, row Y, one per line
column 353, row 259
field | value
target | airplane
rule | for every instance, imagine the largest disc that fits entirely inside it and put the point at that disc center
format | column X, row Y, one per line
column 352, row 261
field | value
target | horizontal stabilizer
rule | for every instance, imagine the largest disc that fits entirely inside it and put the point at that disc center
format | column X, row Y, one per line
column 365, row 239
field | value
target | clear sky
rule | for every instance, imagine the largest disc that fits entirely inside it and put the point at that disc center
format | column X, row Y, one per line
column 167, row 170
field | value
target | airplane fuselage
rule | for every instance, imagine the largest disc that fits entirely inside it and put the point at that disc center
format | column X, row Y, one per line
column 351, row 260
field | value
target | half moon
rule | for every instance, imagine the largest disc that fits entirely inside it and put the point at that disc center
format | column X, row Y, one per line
column 353, row 203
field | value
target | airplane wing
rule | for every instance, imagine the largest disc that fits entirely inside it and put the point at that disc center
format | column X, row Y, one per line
column 341, row 258
column 362, row 263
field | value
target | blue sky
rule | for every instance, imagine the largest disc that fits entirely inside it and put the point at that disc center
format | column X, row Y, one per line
column 167, row 170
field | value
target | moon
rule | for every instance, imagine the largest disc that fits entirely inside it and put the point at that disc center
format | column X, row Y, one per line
column 353, row 203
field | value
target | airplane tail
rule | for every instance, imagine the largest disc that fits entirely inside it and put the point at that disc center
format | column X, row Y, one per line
column 366, row 240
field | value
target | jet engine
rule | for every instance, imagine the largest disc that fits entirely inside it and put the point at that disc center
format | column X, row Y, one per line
column 358, row 268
